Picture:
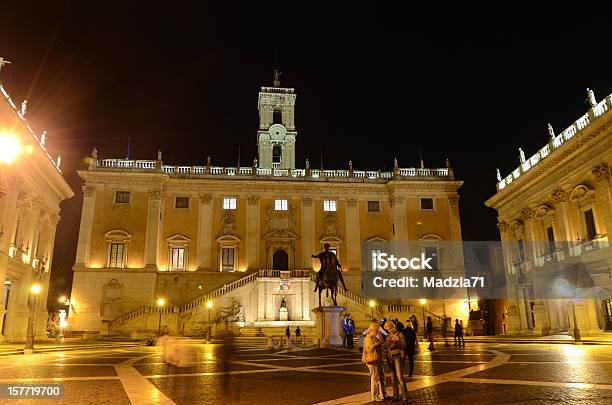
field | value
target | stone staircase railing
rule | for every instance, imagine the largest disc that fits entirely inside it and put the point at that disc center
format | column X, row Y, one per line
column 250, row 278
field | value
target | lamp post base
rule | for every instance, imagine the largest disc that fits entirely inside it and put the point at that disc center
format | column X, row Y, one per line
column 577, row 338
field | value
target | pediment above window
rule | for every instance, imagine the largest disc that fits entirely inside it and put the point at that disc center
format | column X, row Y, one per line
column 117, row 236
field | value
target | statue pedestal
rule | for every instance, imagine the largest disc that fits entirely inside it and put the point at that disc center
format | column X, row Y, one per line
column 283, row 314
column 329, row 326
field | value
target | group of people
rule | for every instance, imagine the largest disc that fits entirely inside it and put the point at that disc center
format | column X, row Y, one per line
column 389, row 344
column 348, row 332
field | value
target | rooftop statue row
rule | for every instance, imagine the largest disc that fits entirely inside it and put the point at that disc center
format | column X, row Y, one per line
column 445, row 173
column 556, row 141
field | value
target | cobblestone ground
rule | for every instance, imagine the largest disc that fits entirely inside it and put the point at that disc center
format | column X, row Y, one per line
column 242, row 374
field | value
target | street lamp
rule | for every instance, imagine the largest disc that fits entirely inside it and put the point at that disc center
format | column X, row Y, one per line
column 209, row 305
column 160, row 304
column 29, row 344
column 10, row 148
column 372, row 304
column 423, row 301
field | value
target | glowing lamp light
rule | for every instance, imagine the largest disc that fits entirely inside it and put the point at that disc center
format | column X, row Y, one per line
column 36, row 288
column 62, row 298
column 372, row 303
column 161, row 302
column 10, row 148
column 423, row 301
column 209, row 304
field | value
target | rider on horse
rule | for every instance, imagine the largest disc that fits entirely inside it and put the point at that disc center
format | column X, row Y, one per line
column 329, row 261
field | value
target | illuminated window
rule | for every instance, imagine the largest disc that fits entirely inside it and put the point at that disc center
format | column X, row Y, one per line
column 227, row 259
column 178, row 259
column 329, row 205
column 181, row 202
column 277, row 154
column 116, row 255
column 281, row 205
column 122, row 197
column 229, row 203
column 427, row 203
column 373, row 206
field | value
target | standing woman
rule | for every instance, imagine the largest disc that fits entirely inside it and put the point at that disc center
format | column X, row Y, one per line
column 372, row 357
column 429, row 327
column 396, row 351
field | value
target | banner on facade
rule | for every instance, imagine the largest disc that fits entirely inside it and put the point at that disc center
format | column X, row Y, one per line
column 285, row 281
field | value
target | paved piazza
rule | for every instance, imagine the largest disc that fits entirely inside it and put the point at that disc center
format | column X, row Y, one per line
column 245, row 374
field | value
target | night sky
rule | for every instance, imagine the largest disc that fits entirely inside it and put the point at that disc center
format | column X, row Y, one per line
column 373, row 83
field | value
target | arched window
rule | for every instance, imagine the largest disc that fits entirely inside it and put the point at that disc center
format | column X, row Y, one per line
column 277, row 153
column 277, row 117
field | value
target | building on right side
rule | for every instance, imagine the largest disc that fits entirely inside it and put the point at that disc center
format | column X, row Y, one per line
column 554, row 214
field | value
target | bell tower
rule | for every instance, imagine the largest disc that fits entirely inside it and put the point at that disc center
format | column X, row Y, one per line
column 276, row 134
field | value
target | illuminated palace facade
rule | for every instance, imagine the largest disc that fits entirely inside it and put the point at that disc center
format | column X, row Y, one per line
column 555, row 213
column 194, row 234
column 31, row 189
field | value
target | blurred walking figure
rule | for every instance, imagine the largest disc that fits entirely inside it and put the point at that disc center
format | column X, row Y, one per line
column 457, row 337
column 411, row 339
column 430, row 333
column 164, row 341
column 372, row 357
column 396, row 355
column 462, row 333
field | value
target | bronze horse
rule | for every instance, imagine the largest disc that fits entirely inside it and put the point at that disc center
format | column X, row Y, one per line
column 328, row 276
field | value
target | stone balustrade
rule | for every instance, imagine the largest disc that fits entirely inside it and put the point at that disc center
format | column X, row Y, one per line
column 581, row 123
column 212, row 171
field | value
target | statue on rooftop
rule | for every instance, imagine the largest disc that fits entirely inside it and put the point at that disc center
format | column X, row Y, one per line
column 277, row 74
column 591, row 97
column 521, row 155
column 499, row 177
column 59, row 161
column 395, row 166
column 307, row 164
column 43, row 139
column 551, row 131
column 254, row 162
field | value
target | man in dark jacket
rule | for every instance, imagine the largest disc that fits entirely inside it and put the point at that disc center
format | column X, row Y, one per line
column 411, row 338
column 429, row 328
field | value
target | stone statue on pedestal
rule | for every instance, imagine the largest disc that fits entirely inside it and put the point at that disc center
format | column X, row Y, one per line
column 591, row 97
column 329, row 274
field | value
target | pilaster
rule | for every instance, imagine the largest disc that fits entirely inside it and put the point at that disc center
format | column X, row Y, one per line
column 308, row 232
column 252, row 230
column 153, row 232
column 352, row 234
column 85, row 229
column 205, row 232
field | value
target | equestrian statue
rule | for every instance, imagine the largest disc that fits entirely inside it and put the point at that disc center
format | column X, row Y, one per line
column 329, row 274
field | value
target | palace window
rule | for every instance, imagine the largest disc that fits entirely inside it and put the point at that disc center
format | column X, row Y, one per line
column 373, row 206
column 277, row 117
column 178, row 253
column 427, row 203
column 181, row 202
column 550, row 236
column 116, row 256
column 122, row 197
column 229, row 203
column 375, row 253
column 178, row 259
column 432, row 252
column 589, row 222
column 281, row 205
column 117, row 244
column 277, row 154
column 329, row 205
column 227, row 259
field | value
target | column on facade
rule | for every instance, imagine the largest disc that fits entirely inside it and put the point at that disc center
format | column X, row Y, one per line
column 455, row 230
column 252, row 231
column 399, row 234
column 562, row 219
column 205, row 232
column 306, row 291
column 86, row 227
column 603, row 197
column 529, row 242
column 8, row 217
column 308, row 232
column 353, row 237
column 46, row 251
column 154, row 225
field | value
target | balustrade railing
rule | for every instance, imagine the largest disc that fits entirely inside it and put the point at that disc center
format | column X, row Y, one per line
column 145, row 165
column 581, row 123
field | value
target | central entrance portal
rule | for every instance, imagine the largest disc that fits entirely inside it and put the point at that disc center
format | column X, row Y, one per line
column 280, row 260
